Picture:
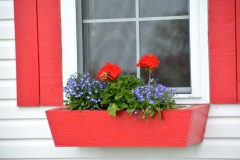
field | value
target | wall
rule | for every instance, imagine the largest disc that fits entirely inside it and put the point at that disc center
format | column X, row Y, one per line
column 24, row 131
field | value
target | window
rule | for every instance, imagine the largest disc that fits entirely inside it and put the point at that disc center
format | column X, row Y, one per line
column 123, row 31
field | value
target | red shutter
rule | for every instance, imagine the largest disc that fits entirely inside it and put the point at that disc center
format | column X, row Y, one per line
column 238, row 45
column 38, row 52
column 26, row 37
column 222, row 48
column 50, row 53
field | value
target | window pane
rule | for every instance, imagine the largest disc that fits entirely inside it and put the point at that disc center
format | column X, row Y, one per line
column 108, row 9
column 110, row 42
column 156, row 8
column 169, row 40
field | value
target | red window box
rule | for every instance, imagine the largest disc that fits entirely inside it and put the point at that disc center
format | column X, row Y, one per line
column 179, row 128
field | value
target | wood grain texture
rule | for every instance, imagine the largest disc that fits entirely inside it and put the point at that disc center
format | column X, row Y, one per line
column 50, row 54
column 222, row 46
column 26, row 37
column 98, row 128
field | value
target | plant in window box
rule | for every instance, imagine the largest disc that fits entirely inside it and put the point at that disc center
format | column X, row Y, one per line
column 116, row 92
column 110, row 111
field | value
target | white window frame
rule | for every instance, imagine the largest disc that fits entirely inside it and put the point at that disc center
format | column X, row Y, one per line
column 198, row 46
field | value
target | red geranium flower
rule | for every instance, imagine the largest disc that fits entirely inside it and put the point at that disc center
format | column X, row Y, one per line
column 149, row 62
column 109, row 72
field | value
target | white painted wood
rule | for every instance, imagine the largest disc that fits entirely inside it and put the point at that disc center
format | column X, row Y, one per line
column 38, row 128
column 216, row 148
column 8, row 102
column 7, row 29
column 7, row 69
column 8, row 92
column 7, row 49
column 227, row 110
column 14, row 112
column 6, row 9
column 7, row 89
column 69, row 39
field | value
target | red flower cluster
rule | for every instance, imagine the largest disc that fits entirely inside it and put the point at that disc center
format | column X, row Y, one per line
column 148, row 61
column 109, row 72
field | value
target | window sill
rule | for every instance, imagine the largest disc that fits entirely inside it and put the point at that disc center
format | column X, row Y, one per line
column 180, row 128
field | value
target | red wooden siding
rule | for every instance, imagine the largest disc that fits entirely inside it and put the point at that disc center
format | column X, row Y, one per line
column 26, row 52
column 222, row 45
column 238, row 45
column 38, row 52
column 50, row 54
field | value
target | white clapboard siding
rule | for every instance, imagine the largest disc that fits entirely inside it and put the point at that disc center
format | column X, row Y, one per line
column 6, row 9
column 8, row 102
column 33, row 120
column 209, row 148
column 7, row 69
column 7, row 29
column 7, row 89
column 7, row 49
column 39, row 112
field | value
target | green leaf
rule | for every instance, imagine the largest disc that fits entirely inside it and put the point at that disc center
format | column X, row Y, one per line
column 113, row 105
column 104, row 101
column 130, row 110
column 112, row 111
column 118, row 97
column 152, row 114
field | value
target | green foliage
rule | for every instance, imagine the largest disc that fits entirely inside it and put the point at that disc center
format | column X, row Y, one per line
column 119, row 94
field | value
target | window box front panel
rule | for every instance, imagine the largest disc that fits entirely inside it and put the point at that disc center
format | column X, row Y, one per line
column 179, row 128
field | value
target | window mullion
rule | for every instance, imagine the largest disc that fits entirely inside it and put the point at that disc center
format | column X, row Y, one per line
column 79, row 18
column 137, row 35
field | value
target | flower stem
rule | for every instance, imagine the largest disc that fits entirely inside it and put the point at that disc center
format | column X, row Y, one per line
column 149, row 77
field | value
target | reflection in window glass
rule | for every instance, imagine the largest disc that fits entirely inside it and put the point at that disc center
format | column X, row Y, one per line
column 106, row 9
column 169, row 41
column 159, row 8
column 110, row 42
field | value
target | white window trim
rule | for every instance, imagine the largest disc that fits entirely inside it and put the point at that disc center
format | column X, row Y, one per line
column 198, row 43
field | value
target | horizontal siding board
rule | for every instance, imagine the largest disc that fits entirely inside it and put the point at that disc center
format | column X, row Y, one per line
column 7, row 49
column 6, row 9
column 7, row 29
column 7, row 89
column 24, row 132
column 224, row 110
column 38, row 128
column 217, row 148
column 13, row 112
column 8, row 92
column 8, row 102
column 34, row 112
column 8, row 69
